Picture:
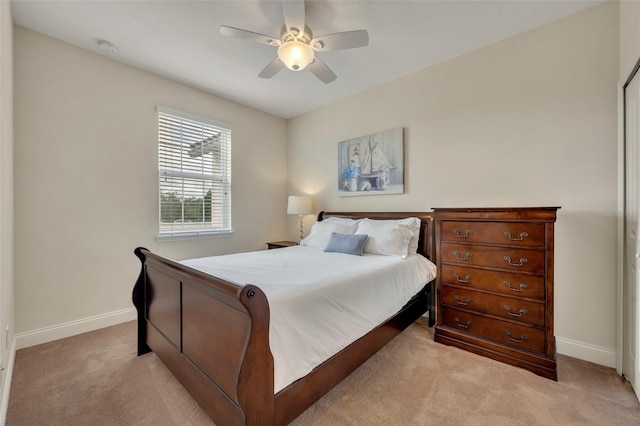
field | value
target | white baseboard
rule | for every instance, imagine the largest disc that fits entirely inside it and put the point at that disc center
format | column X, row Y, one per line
column 564, row 346
column 6, row 388
column 71, row 328
column 586, row 352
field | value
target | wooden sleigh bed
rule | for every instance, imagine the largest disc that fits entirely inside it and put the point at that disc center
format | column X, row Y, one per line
column 213, row 335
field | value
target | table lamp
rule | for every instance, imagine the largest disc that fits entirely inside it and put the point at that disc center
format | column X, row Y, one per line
column 299, row 205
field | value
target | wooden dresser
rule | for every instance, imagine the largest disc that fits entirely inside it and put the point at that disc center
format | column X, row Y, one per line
column 495, row 284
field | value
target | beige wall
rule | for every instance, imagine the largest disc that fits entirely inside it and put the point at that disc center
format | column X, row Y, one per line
column 86, row 178
column 530, row 121
column 6, row 193
column 629, row 37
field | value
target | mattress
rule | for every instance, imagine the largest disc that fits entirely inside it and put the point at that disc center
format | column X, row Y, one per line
column 320, row 302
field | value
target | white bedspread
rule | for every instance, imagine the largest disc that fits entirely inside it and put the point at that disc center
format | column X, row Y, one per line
column 320, row 302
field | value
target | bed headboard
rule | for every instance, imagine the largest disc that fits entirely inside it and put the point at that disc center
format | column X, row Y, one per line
column 425, row 241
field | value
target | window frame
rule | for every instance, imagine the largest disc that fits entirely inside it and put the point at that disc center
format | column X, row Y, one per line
column 224, row 178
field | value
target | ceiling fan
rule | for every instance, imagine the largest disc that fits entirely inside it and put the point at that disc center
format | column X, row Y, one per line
column 296, row 44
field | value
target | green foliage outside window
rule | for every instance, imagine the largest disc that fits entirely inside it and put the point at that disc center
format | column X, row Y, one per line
column 195, row 209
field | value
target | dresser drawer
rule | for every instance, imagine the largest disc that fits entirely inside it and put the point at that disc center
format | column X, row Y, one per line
column 514, row 335
column 529, row 260
column 506, row 307
column 499, row 282
column 505, row 233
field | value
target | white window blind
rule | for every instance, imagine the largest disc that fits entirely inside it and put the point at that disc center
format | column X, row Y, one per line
column 194, row 160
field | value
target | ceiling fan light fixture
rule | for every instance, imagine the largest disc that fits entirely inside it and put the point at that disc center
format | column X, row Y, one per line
column 296, row 55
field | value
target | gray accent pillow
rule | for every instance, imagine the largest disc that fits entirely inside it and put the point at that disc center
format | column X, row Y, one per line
column 347, row 243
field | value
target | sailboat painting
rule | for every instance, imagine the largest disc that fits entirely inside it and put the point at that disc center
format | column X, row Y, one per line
column 372, row 164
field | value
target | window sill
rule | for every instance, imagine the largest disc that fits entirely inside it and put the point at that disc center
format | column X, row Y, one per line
column 178, row 236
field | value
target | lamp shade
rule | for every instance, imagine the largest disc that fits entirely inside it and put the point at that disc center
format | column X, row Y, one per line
column 299, row 205
column 296, row 55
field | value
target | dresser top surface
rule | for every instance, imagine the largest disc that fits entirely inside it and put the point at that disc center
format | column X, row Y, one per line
column 506, row 214
column 493, row 209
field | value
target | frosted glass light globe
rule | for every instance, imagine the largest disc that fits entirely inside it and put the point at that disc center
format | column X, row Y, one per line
column 295, row 55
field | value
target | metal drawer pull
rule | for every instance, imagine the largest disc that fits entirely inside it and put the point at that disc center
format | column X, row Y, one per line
column 466, row 279
column 523, row 235
column 466, row 257
column 457, row 320
column 465, row 303
column 523, row 260
column 522, row 286
column 459, row 235
column 522, row 338
column 520, row 313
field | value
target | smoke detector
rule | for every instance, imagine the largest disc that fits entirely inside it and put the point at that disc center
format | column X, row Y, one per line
column 107, row 46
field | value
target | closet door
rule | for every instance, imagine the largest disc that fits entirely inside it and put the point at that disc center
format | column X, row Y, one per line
column 631, row 327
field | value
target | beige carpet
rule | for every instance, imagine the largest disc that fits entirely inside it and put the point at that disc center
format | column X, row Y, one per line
column 96, row 379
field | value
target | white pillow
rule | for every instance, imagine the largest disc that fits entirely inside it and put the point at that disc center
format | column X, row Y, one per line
column 413, row 224
column 342, row 220
column 385, row 237
column 321, row 233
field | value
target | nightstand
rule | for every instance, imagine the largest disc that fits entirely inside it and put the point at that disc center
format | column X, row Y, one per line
column 280, row 244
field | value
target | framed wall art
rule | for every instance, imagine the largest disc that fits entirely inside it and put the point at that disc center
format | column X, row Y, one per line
column 372, row 164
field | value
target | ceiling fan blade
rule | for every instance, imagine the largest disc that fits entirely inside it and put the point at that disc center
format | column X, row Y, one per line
column 248, row 35
column 343, row 40
column 271, row 69
column 293, row 11
column 322, row 71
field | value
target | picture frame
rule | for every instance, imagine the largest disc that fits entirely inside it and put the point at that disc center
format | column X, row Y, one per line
column 372, row 164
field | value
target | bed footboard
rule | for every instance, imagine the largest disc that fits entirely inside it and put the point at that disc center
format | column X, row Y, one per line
column 213, row 335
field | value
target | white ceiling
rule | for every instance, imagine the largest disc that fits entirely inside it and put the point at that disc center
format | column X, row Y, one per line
column 179, row 39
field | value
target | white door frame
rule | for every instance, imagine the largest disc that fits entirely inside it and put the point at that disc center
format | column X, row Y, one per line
column 620, row 229
column 621, row 237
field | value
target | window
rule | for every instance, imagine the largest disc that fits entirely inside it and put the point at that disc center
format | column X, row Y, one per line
column 194, row 161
